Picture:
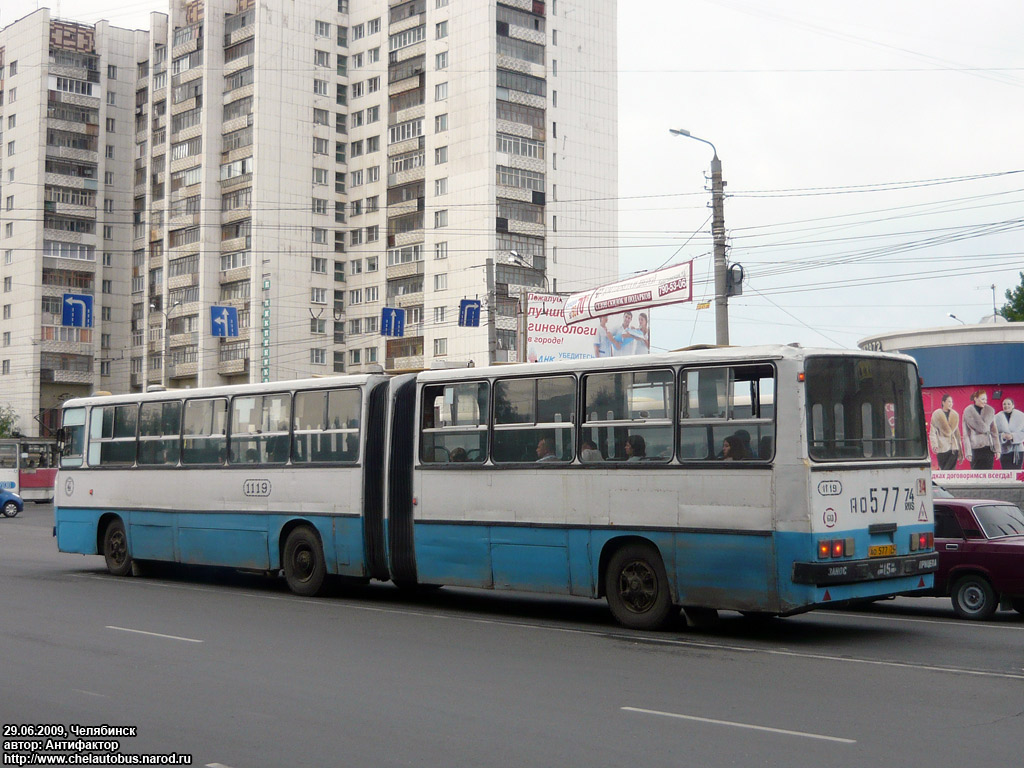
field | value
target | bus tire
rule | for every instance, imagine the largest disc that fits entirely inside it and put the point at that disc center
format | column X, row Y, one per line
column 115, row 549
column 974, row 598
column 636, row 587
column 10, row 509
column 305, row 569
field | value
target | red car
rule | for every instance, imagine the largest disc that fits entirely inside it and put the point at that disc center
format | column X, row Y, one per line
column 981, row 555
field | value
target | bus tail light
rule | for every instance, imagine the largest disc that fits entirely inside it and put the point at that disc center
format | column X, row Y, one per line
column 922, row 541
column 832, row 548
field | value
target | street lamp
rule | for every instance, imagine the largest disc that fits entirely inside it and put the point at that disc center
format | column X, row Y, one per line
column 164, row 380
column 718, row 234
column 956, row 318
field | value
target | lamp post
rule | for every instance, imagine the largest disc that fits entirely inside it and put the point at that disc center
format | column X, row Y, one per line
column 164, row 380
column 718, row 235
column 956, row 318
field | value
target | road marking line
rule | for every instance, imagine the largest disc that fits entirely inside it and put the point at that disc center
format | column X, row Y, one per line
column 155, row 634
column 90, row 693
column 611, row 634
column 783, row 731
column 217, row 765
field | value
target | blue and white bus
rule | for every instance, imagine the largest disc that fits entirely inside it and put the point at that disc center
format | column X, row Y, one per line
column 767, row 480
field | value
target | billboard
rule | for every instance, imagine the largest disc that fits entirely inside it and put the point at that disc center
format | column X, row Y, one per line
column 550, row 338
column 671, row 285
column 988, row 444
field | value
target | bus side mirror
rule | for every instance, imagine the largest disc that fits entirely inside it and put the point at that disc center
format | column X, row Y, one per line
column 61, row 437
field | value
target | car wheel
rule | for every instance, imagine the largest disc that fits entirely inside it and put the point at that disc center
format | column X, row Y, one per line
column 636, row 587
column 304, row 567
column 115, row 549
column 974, row 598
column 10, row 508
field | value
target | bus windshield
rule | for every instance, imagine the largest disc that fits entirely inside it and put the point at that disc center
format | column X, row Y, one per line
column 863, row 409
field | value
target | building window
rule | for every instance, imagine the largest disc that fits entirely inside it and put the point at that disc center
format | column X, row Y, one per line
column 441, row 30
column 441, row 123
column 440, row 218
column 108, row 232
column 441, row 282
column 322, row 59
column 441, row 250
column 441, row 60
column 441, row 186
column 320, row 176
column 373, row 26
column 108, row 286
column 355, row 356
column 319, row 235
column 355, row 327
column 441, row 155
column 318, row 265
column 320, row 206
column 318, row 356
column 373, row 85
column 110, row 151
column 321, row 117
column 317, row 325
column 320, row 87
column 372, row 114
column 440, row 91
column 440, row 347
column 438, row 315
column 318, row 295
column 323, row 29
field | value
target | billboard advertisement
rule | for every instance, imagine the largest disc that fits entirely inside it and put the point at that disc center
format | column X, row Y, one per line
column 550, row 338
column 976, row 433
column 671, row 285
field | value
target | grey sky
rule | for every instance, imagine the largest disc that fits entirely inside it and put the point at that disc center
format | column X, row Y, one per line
column 841, row 128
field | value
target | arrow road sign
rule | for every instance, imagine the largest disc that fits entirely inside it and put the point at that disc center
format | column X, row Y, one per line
column 392, row 321
column 223, row 321
column 77, row 310
column 469, row 313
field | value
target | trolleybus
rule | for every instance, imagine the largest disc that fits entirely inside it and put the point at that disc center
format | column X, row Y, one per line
column 767, row 480
column 28, row 467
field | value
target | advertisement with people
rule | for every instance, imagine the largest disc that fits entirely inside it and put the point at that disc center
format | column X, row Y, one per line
column 976, row 433
column 550, row 338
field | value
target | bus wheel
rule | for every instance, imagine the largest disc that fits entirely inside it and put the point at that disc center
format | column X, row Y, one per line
column 115, row 549
column 10, row 509
column 304, row 566
column 636, row 587
column 973, row 598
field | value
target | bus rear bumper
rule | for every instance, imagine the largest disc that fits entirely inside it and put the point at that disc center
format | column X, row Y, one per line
column 874, row 569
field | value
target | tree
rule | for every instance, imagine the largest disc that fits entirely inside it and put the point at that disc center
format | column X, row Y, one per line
column 1013, row 309
column 8, row 421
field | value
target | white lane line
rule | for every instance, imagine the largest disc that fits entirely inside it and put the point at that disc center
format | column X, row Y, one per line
column 783, row 731
column 217, row 765
column 155, row 634
column 599, row 633
column 90, row 693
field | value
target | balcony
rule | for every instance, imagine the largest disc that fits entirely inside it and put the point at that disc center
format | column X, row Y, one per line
column 411, row 363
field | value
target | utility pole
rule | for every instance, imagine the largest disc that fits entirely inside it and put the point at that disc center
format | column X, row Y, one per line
column 492, row 335
column 718, row 236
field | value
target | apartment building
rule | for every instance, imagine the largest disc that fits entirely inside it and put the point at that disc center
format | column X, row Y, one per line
column 310, row 164
column 66, row 93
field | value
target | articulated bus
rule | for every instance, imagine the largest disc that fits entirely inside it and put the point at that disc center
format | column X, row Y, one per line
column 28, row 466
column 766, row 480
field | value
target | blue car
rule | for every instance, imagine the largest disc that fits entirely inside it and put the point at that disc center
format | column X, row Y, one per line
column 10, row 504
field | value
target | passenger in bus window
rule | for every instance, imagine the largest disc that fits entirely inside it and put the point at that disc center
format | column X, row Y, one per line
column 590, row 452
column 545, row 451
column 636, row 448
column 458, row 454
column 732, row 449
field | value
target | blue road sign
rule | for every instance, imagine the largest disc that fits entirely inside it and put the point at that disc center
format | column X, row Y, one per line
column 392, row 321
column 469, row 313
column 223, row 321
column 77, row 310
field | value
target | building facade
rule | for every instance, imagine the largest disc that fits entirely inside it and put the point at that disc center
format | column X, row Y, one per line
column 66, row 93
column 312, row 165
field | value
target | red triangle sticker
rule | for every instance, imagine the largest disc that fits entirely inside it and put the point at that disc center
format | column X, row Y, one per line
column 921, row 582
column 827, row 595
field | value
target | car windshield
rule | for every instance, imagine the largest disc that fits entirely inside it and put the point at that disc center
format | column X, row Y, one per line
column 999, row 520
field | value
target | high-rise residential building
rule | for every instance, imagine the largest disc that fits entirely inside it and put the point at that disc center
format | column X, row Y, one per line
column 66, row 93
column 314, row 163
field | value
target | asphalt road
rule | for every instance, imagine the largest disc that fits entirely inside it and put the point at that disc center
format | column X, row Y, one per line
column 234, row 671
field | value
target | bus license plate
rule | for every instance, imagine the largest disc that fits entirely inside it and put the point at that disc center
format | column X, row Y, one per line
column 882, row 550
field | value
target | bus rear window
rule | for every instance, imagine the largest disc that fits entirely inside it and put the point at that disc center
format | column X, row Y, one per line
column 863, row 408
